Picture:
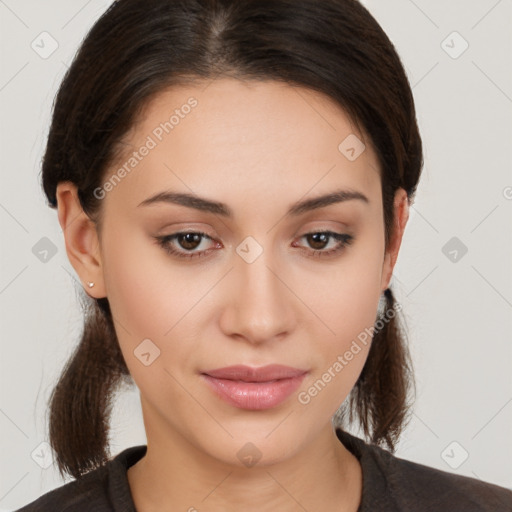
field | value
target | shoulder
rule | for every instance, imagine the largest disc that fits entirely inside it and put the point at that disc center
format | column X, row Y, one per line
column 418, row 487
column 104, row 489
column 398, row 484
column 86, row 493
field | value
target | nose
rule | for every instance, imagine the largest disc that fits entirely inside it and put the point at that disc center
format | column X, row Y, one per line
column 260, row 307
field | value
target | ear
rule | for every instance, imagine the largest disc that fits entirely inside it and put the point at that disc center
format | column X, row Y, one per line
column 401, row 211
column 81, row 238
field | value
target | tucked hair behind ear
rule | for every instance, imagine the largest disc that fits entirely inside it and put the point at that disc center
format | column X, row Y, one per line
column 139, row 48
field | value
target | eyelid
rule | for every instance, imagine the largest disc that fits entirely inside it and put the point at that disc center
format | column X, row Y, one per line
column 186, row 227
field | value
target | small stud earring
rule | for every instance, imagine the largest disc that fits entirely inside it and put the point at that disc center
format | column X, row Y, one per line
column 90, row 285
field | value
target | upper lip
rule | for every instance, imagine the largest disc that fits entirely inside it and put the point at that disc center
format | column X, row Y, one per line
column 252, row 374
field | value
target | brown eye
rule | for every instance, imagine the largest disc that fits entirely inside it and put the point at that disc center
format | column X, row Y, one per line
column 189, row 241
column 186, row 244
column 319, row 240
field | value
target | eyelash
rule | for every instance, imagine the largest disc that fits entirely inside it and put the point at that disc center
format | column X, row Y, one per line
column 344, row 240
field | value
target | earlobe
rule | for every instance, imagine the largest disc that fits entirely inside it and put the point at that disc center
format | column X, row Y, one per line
column 81, row 239
column 401, row 209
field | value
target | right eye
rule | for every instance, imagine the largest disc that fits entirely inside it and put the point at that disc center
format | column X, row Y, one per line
column 187, row 240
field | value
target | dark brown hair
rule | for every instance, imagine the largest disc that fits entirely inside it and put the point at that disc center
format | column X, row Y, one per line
column 137, row 49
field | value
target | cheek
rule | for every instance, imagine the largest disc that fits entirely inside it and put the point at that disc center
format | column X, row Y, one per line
column 151, row 299
column 340, row 352
column 345, row 297
column 345, row 294
column 138, row 276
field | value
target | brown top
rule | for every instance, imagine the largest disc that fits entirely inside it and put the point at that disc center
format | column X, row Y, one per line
column 390, row 484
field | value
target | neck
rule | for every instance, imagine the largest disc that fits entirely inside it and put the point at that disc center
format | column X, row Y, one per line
column 174, row 475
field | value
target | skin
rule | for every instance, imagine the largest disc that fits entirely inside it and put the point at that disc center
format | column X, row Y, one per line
column 258, row 147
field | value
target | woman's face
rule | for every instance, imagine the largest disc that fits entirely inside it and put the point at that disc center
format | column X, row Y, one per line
column 261, row 288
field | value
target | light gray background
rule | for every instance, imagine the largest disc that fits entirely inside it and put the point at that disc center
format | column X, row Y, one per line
column 458, row 312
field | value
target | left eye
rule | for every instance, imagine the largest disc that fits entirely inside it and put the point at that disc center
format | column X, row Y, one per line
column 189, row 241
column 322, row 238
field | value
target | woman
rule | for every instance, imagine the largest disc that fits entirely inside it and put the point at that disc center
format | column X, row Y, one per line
column 233, row 180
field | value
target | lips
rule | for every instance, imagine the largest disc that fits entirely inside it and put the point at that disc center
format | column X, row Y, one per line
column 261, row 374
column 254, row 388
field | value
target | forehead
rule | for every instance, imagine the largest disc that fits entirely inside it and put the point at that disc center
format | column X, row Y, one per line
column 227, row 135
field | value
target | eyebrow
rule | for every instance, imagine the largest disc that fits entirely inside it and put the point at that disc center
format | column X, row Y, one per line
column 207, row 205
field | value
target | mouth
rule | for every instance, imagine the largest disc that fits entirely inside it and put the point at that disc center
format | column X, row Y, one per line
column 252, row 388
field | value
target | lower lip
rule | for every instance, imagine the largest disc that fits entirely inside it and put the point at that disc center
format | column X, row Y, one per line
column 254, row 395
